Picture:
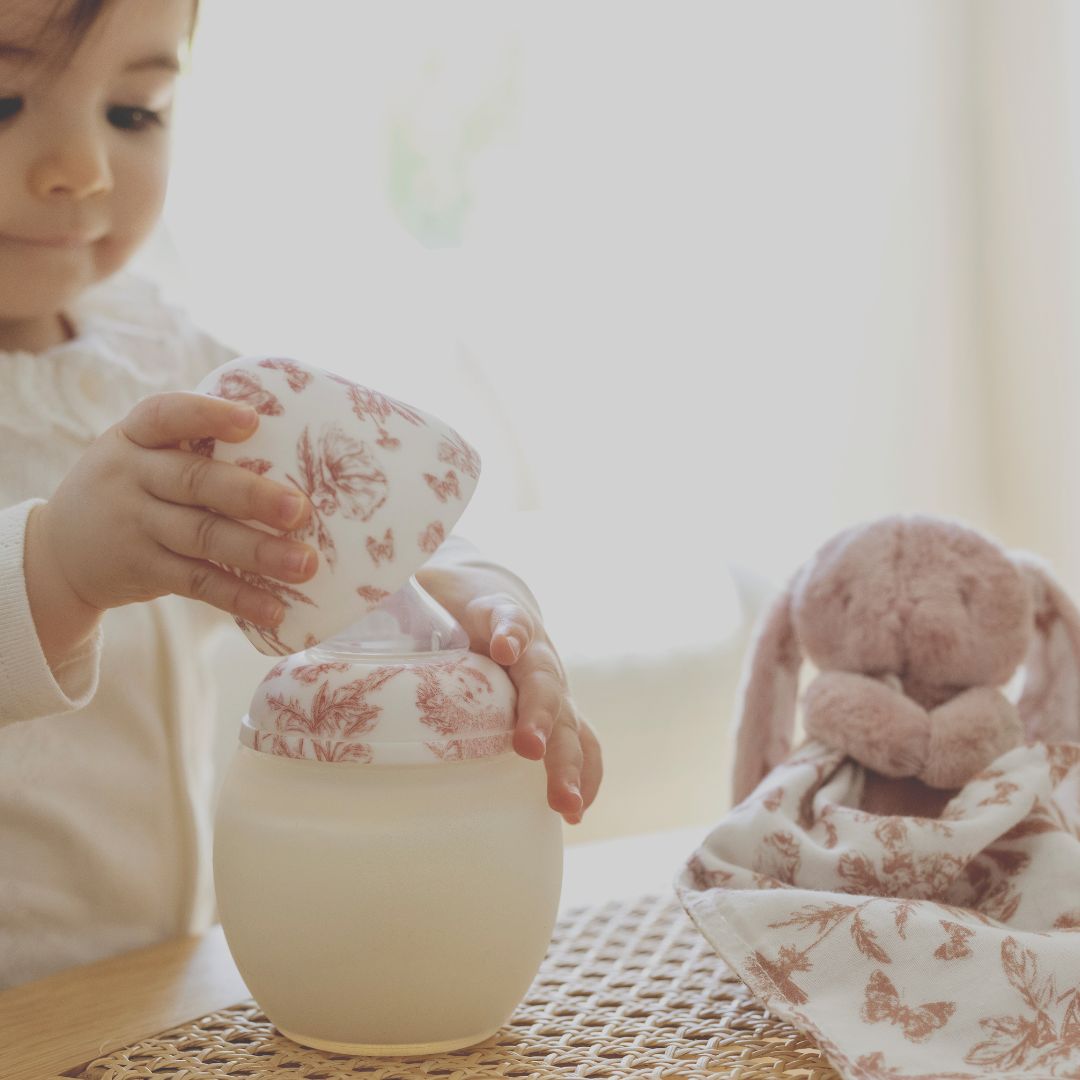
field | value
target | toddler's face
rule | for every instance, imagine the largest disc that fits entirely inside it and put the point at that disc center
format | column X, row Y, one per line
column 83, row 149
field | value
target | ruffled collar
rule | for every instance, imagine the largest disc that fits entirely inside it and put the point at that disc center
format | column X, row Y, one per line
column 125, row 347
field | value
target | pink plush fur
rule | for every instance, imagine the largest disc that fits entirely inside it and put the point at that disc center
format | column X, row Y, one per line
column 914, row 624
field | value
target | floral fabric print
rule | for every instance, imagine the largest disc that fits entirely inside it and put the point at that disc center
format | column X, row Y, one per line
column 907, row 947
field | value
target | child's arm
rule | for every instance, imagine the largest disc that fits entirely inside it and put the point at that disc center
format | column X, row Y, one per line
column 63, row 622
column 502, row 618
column 34, row 682
column 136, row 518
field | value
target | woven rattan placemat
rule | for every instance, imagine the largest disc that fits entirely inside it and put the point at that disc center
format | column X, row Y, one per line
column 627, row 990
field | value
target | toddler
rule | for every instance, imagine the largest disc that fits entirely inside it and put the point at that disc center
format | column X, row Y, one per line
column 108, row 596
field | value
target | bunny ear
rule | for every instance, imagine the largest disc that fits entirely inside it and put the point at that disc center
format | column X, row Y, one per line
column 1050, row 703
column 766, row 717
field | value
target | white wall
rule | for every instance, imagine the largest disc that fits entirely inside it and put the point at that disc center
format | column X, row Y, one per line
column 704, row 283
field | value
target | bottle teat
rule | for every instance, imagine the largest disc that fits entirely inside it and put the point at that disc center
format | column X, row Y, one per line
column 407, row 622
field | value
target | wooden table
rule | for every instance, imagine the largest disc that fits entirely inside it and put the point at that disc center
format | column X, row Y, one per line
column 54, row 1026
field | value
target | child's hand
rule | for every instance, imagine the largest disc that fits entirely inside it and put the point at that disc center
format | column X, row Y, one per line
column 503, row 625
column 138, row 517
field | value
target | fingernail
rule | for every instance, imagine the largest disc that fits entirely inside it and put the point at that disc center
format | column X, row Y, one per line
column 298, row 561
column 273, row 612
column 291, row 506
column 242, row 416
column 514, row 650
column 542, row 737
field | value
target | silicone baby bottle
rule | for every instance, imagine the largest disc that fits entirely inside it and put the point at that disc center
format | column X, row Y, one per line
column 387, row 867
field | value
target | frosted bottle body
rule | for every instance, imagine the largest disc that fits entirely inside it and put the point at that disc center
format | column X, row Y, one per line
column 387, row 909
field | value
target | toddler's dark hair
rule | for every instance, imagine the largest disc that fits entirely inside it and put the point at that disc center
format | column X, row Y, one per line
column 81, row 15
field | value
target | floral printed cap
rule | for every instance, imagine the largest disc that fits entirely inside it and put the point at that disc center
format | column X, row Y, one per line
column 387, row 483
column 446, row 706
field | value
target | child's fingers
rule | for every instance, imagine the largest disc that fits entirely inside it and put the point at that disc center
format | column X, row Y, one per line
column 592, row 766
column 512, row 629
column 178, row 476
column 202, row 534
column 203, row 581
column 564, row 766
column 541, row 694
column 165, row 419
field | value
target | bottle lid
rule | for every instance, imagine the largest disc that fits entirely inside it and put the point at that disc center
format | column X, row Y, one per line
column 387, row 482
column 400, row 687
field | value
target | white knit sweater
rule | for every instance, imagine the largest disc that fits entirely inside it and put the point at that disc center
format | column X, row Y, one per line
column 105, row 764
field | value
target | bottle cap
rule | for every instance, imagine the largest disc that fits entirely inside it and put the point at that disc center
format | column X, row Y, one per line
column 387, row 483
column 400, row 687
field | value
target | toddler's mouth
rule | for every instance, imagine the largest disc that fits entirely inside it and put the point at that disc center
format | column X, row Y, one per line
column 68, row 240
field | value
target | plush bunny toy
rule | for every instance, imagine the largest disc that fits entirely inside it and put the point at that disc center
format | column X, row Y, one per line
column 915, row 624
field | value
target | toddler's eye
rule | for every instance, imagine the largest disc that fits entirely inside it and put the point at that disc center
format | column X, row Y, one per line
column 132, row 118
column 9, row 106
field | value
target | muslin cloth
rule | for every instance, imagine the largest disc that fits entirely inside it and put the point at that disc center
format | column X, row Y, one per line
column 906, row 946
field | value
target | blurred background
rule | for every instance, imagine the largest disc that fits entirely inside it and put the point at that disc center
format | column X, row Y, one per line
column 703, row 282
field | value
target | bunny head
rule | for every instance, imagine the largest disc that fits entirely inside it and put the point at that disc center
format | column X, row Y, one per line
column 926, row 605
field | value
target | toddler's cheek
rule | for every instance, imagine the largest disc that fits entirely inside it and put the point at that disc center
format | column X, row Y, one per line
column 135, row 205
column 113, row 252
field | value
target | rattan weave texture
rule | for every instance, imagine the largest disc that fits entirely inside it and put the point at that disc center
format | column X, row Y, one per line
column 627, row 990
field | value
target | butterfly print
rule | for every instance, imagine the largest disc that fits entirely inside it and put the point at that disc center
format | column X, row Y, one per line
column 373, row 595
column 371, row 405
column 338, row 443
column 245, row 388
column 447, row 486
column 704, row 878
column 432, row 537
column 295, row 375
column 255, row 465
column 929, row 898
column 956, row 947
column 380, row 551
column 882, row 1003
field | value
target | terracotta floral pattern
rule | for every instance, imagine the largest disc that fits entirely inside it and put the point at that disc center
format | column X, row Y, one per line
column 371, row 405
column 288, row 595
column 325, row 726
column 457, row 452
column 444, row 710
column 386, row 482
column 339, row 475
column 457, row 698
column 907, row 947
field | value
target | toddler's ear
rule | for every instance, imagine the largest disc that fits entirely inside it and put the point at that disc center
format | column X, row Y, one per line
column 1050, row 703
column 766, row 714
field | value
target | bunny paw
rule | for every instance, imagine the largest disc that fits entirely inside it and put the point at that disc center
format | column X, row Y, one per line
column 967, row 733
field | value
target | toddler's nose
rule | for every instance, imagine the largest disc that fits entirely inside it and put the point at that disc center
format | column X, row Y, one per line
column 76, row 167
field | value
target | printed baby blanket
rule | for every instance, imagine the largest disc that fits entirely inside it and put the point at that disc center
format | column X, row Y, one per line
column 908, row 948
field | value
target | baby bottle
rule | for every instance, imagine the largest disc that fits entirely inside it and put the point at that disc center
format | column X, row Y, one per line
column 387, row 867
